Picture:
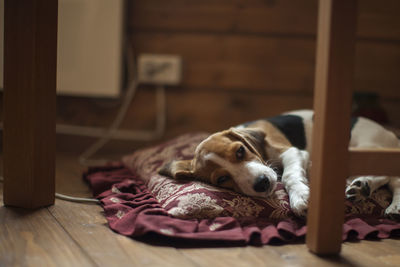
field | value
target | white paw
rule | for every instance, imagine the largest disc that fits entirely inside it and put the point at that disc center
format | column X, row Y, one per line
column 299, row 200
column 393, row 211
column 359, row 189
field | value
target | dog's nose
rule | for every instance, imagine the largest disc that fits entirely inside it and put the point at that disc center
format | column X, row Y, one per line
column 261, row 184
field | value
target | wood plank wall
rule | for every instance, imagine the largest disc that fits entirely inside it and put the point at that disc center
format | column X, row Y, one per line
column 246, row 59
column 243, row 59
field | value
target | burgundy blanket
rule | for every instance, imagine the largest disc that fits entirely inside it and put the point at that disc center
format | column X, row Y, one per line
column 138, row 202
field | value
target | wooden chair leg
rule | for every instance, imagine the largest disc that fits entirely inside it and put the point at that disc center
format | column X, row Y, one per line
column 332, row 106
column 30, row 61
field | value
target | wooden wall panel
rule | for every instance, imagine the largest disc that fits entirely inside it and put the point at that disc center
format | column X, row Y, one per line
column 243, row 59
column 252, row 16
column 187, row 111
column 236, row 61
column 270, row 64
column 378, row 67
column 196, row 110
column 222, row 109
column 377, row 19
column 214, row 110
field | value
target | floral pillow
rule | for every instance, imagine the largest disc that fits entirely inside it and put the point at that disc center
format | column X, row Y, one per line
column 195, row 199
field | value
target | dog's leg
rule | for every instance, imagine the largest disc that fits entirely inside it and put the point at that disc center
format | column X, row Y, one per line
column 362, row 187
column 393, row 211
column 295, row 163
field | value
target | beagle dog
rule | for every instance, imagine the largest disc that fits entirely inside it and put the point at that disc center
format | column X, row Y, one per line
column 246, row 159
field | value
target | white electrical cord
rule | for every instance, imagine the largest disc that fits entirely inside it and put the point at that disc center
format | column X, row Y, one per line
column 134, row 135
column 69, row 198
column 77, row 199
column 113, row 132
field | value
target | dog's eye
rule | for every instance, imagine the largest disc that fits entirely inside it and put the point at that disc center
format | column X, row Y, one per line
column 223, row 179
column 240, row 153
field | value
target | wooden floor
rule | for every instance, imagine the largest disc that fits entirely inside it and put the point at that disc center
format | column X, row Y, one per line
column 71, row 234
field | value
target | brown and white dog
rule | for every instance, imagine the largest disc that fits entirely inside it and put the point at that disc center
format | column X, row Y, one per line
column 246, row 158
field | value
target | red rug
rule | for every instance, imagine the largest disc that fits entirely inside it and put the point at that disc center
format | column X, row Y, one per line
column 138, row 202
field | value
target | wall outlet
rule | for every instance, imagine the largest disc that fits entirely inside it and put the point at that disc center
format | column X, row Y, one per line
column 159, row 69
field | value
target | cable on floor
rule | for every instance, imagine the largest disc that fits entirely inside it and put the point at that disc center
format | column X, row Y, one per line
column 69, row 198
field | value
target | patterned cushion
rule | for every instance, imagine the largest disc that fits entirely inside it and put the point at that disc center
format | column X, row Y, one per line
column 194, row 199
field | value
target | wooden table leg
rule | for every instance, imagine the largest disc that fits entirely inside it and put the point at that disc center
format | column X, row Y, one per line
column 30, row 61
column 332, row 106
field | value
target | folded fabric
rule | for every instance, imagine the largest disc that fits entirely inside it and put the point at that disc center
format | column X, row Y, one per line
column 138, row 202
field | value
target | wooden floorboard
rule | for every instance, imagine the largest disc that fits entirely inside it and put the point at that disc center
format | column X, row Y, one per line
column 88, row 226
column 72, row 234
column 34, row 238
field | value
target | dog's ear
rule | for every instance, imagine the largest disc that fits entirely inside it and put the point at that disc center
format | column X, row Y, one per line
column 253, row 138
column 178, row 169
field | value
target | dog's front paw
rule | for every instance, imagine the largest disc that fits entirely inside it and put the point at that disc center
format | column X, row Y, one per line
column 393, row 211
column 358, row 189
column 299, row 200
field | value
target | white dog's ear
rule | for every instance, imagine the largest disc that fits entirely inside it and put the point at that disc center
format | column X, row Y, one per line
column 253, row 138
column 178, row 169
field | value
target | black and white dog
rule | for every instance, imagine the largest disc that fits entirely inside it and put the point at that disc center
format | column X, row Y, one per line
column 243, row 158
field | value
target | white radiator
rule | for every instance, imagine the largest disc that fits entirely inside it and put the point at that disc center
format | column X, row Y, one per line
column 90, row 38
